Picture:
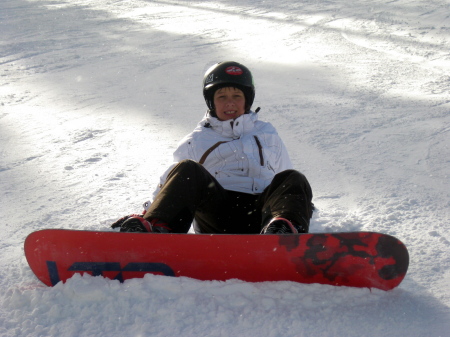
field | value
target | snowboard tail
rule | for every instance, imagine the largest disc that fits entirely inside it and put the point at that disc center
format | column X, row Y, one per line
column 355, row 259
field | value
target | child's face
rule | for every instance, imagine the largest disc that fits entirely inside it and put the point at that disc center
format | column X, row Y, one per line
column 229, row 103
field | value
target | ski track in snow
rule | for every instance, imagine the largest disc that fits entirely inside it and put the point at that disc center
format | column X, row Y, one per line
column 94, row 97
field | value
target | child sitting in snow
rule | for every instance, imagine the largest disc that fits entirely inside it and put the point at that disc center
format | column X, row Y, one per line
column 232, row 174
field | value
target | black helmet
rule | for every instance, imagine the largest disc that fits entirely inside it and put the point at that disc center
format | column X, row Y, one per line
column 226, row 74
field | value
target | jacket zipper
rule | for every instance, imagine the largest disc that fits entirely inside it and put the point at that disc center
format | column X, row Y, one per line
column 261, row 156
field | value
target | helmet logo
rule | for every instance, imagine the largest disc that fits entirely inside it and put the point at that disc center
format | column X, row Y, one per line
column 233, row 70
column 210, row 78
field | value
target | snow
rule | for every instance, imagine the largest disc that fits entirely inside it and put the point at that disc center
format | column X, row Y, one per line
column 95, row 95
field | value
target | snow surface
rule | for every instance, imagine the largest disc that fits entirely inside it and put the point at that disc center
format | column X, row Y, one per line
column 95, row 96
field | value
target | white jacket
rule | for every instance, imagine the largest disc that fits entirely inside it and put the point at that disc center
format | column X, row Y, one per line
column 242, row 154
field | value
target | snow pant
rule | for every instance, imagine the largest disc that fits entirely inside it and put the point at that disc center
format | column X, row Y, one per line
column 191, row 192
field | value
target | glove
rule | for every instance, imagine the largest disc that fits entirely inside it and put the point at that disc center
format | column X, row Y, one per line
column 132, row 223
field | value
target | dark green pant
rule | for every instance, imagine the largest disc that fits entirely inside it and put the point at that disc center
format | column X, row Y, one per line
column 191, row 192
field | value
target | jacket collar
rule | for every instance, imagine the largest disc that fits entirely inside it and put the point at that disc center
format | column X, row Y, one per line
column 232, row 128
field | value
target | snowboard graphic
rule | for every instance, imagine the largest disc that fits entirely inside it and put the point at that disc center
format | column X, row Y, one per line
column 355, row 259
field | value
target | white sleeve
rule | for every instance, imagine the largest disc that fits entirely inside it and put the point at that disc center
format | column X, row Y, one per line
column 162, row 180
column 284, row 161
column 182, row 152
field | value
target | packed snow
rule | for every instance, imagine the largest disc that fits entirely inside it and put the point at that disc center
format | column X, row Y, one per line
column 95, row 95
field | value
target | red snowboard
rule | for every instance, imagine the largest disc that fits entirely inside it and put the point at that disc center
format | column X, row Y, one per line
column 359, row 259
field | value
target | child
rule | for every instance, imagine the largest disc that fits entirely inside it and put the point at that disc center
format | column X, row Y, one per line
column 232, row 174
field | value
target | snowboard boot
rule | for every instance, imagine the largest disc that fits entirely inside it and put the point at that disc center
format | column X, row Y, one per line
column 159, row 226
column 280, row 226
column 136, row 223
